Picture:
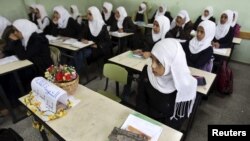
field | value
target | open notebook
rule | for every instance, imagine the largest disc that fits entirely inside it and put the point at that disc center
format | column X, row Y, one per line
column 143, row 125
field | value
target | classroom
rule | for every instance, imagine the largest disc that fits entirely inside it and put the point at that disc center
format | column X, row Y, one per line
column 139, row 70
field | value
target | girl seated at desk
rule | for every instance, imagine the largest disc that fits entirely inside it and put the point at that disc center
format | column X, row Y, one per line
column 107, row 14
column 224, row 32
column 199, row 50
column 32, row 13
column 166, row 90
column 125, row 24
column 42, row 17
column 141, row 14
column 206, row 15
column 160, row 31
column 162, row 10
column 98, row 33
column 64, row 25
column 75, row 14
column 26, row 43
column 182, row 26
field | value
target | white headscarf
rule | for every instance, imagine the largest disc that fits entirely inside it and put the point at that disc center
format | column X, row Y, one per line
column 222, row 29
column 64, row 16
column 41, row 23
column 236, row 15
column 177, row 75
column 143, row 8
column 109, row 8
column 123, row 14
column 27, row 28
column 158, row 13
column 210, row 13
column 97, row 23
column 33, row 14
column 184, row 15
column 197, row 46
column 164, row 24
column 75, row 13
column 3, row 24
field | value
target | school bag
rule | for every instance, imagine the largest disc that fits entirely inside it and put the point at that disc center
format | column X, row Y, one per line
column 225, row 79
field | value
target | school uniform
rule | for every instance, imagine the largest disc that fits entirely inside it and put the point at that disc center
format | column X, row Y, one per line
column 3, row 24
column 44, row 20
column 165, row 98
column 125, row 23
column 66, row 26
column 165, row 13
column 224, row 32
column 199, row 53
column 151, row 38
column 33, row 46
column 184, row 31
column 109, row 17
column 76, row 15
column 139, row 16
column 202, row 17
column 32, row 16
column 98, row 33
column 235, row 25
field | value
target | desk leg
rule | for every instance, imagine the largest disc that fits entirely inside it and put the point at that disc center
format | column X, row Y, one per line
column 119, row 46
column 7, row 103
column 44, row 135
column 19, row 83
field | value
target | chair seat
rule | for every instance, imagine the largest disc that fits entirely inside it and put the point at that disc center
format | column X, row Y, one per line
column 110, row 95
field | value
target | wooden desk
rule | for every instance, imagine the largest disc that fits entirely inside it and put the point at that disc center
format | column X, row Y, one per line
column 69, row 47
column 120, row 36
column 142, row 24
column 94, row 118
column 127, row 60
column 12, row 68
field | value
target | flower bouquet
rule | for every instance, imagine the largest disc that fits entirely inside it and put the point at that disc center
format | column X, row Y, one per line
column 63, row 76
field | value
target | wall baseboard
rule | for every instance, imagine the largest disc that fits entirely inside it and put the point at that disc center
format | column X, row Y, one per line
column 243, row 63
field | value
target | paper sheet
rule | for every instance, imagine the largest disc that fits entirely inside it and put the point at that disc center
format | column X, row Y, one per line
column 8, row 59
column 51, row 38
column 150, row 129
column 222, row 51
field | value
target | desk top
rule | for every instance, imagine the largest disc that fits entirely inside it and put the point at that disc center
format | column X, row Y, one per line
column 120, row 35
column 127, row 60
column 14, row 66
column 142, row 24
column 94, row 118
column 222, row 51
column 237, row 40
column 60, row 44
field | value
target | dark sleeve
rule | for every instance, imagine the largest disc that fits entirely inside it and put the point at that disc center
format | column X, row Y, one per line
column 185, row 33
column 103, row 38
column 168, row 15
column 141, row 98
column 197, row 22
column 51, row 29
column 153, row 18
column 203, row 57
column 148, row 42
column 212, row 19
column 72, row 30
column 226, row 42
column 128, row 25
column 114, row 26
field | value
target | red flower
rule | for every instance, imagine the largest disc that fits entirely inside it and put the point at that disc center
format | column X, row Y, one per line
column 68, row 77
column 59, row 76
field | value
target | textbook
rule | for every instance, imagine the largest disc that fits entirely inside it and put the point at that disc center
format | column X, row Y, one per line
column 144, row 126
